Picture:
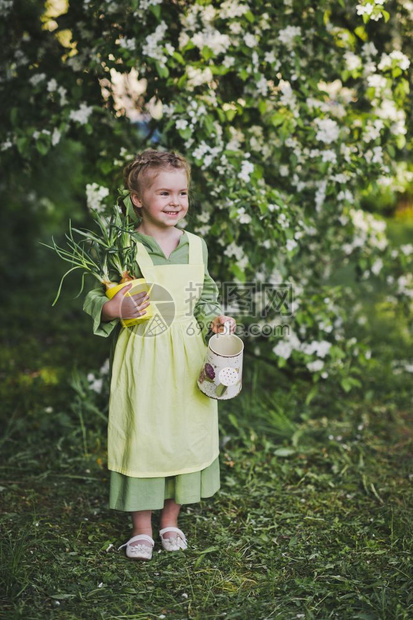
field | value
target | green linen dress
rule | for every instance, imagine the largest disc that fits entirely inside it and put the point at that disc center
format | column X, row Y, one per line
column 135, row 485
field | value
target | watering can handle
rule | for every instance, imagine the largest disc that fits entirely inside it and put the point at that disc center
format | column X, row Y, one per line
column 227, row 328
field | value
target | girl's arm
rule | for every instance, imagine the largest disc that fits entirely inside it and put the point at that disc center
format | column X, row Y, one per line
column 93, row 305
column 106, row 313
column 208, row 311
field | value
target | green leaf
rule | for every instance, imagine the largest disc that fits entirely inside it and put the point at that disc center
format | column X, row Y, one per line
column 230, row 114
column 156, row 10
column 178, row 57
column 221, row 115
column 206, row 52
column 238, row 273
column 262, row 106
column 233, row 420
column 311, row 394
column 346, row 384
column 209, row 124
column 401, row 141
column 162, row 71
column 14, row 112
column 278, row 118
column 42, row 147
column 22, row 144
column 360, row 31
column 185, row 133
column 250, row 17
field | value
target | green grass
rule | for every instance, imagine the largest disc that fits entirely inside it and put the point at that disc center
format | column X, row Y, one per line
column 313, row 519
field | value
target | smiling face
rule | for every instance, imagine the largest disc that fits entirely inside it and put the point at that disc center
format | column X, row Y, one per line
column 164, row 199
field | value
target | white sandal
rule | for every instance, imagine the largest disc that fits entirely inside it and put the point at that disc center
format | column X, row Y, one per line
column 174, row 543
column 139, row 552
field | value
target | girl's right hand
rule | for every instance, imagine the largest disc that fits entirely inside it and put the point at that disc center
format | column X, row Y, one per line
column 123, row 306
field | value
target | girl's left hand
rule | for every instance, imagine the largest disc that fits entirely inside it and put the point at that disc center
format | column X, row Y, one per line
column 217, row 324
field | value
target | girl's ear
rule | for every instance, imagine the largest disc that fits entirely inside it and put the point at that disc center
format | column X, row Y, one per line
column 136, row 200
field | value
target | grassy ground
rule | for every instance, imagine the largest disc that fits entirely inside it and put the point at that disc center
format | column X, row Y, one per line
column 314, row 516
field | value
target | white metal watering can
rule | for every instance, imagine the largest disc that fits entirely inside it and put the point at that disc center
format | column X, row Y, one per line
column 221, row 374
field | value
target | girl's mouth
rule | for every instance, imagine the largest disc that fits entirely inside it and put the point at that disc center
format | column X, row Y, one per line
column 172, row 213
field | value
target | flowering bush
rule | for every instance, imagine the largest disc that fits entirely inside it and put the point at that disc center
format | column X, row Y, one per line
column 287, row 111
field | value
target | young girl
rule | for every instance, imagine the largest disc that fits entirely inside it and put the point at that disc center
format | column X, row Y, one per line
column 163, row 431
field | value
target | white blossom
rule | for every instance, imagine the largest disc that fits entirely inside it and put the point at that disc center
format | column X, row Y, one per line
column 82, row 114
column 283, row 349
column 406, row 249
column 346, row 196
column 321, row 348
column 62, row 92
column 377, row 81
column 401, row 59
column 228, row 61
column 328, row 130
column 7, row 144
column 352, row 61
column 182, row 123
column 145, row 4
column 242, row 216
column 372, row 130
column 290, row 244
column 365, row 9
column 197, row 77
column 94, row 196
column 320, row 194
column 104, row 370
column 329, row 156
column 315, row 366
column 250, row 40
column 271, row 58
column 247, row 168
column 262, row 86
column 377, row 266
column 212, row 38
column 288, row 34
column 152, row 47
column 52, row 85
column 5, row 6
column 206, row 153
column 405, row 285
column 37, row 78
column 233, row 250
column 94, row 384
column 369, row 49
column 56, row 135
column 127, row 44
column 232, row 8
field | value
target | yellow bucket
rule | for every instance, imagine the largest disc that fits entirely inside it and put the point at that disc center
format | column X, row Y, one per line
column 138, row 286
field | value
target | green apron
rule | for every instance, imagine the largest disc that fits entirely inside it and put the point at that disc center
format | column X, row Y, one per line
column 160, row 424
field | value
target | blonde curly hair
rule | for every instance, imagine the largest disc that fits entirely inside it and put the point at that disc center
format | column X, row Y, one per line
column 146, row 165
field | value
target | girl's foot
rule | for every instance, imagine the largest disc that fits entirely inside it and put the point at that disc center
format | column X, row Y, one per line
column 139, row 547
column 173, row 539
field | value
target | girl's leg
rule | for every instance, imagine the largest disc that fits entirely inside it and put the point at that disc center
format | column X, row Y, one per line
column 142, row 524
column 169, row 516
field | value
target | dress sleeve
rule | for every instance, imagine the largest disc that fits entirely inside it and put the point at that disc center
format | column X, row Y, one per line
column 94, row 301
column 208, row 306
